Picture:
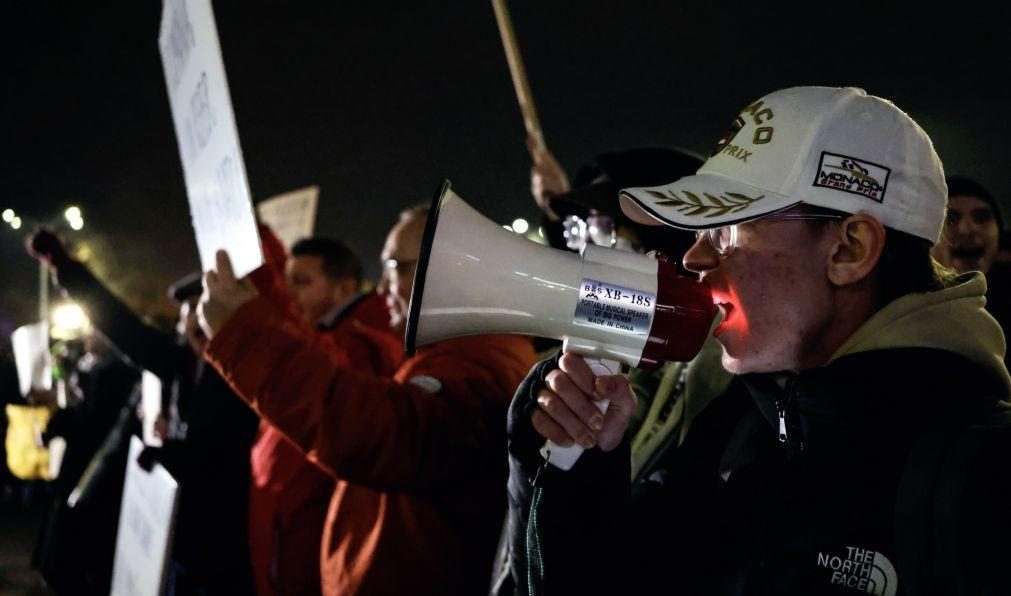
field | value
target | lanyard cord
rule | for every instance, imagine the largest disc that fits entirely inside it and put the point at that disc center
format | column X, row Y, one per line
column 535, row 561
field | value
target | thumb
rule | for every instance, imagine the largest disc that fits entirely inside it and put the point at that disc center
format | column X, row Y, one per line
column 226, row 274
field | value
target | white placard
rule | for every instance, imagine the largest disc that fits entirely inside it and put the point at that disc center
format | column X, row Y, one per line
column 215, row 174
column 292, row 216
column 31, row 355
column 146, row 523
column 150, row 406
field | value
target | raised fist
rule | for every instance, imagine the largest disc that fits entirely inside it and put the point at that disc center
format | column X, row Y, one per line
column 47, row 247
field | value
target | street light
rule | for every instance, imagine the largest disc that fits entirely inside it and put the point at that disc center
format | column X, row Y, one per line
column 520, row 226
column 16, row 222
column 69, row 321
column 8, row 215
column 74, row 217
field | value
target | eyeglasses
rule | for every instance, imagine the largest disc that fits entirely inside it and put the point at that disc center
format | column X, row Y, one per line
column 398, row 267
column 724, row 239
column 595, row 229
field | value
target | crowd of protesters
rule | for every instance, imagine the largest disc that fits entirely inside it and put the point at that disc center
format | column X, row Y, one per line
column 314, row 457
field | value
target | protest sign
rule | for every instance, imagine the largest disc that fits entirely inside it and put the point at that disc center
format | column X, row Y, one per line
column 292, row 215
column 205, row 128
column 31, row 356
column 146, row 522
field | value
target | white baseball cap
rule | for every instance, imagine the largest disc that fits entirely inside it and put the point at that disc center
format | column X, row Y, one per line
column 830, row 147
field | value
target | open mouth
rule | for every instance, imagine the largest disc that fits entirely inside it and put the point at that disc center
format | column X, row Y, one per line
column 967, row 253
column 726, row 308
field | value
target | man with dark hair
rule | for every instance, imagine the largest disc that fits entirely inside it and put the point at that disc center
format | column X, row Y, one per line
column 289, row 495
column 973, row 235
column 321, row 275
column 972, row 229
column 851, row 364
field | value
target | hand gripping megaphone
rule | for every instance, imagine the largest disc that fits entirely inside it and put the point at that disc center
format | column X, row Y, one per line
column 612, row 307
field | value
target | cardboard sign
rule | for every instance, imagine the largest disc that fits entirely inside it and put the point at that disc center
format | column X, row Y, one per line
column 146, row 523
column 215, row 174
column 292, row 216
column 31, row 356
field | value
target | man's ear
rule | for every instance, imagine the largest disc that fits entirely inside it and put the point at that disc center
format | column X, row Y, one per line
column 859, row 241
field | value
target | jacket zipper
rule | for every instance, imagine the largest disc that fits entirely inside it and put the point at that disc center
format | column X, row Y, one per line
column 783, row 406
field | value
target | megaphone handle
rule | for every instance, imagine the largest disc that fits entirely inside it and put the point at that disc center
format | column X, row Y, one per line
column 564, row 458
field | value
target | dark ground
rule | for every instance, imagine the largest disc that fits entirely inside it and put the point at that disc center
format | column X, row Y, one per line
column 20, row 518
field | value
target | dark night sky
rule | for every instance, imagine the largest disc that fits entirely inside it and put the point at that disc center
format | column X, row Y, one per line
column 376, row 102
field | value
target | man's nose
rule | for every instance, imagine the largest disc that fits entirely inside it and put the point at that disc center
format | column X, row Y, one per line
column 965, row 226
column 701, row 256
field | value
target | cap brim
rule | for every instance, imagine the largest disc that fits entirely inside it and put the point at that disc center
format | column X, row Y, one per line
column 701, row 201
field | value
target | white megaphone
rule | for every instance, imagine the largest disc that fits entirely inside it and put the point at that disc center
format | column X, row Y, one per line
column 612, row 307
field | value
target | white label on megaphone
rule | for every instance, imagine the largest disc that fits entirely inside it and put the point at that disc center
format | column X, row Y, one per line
column 614, row 308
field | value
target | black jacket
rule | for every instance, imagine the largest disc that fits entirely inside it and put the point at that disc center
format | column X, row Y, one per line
column 211, row 549
column 737, row 510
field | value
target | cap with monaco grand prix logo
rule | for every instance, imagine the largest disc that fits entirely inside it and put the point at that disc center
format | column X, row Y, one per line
column 830, row 147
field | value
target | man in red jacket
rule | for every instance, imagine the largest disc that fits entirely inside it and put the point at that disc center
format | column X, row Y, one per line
column 289, row 495
column 420, row 459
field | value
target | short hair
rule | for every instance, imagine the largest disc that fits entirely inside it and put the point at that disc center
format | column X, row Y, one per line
column 339, row 261
column 906, row 265
column 411, row 212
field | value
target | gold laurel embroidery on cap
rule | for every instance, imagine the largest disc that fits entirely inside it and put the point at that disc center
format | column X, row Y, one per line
column 729, row 202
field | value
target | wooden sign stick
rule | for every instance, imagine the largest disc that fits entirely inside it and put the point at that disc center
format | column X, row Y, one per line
column 519, row 76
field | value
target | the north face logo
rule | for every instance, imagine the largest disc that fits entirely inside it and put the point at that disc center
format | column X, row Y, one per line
column 861, row 569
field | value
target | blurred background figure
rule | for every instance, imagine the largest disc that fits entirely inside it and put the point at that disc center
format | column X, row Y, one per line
column 418, row 458
column 76, row 544
column 320, row 283
column 973, row 229
column 587, row 211
column 973, row 240
column 209, row 433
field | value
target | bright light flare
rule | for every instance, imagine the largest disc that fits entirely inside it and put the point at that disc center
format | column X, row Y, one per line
column 16, row 223
column 8, row 215
column 520, row 225
column 69, row 321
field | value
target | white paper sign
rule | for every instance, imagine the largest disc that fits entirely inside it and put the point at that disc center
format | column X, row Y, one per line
column 150, row 405
column 292, row 215
column 146, row 523
column 215, row 174
column 31, row 355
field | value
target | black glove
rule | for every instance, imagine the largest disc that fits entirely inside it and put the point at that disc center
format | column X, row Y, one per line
column 524, row 441
column 47, row 247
